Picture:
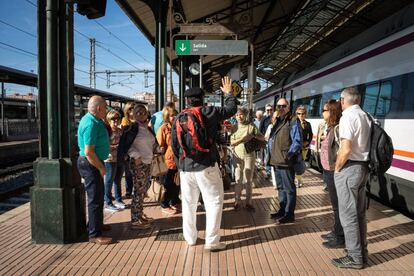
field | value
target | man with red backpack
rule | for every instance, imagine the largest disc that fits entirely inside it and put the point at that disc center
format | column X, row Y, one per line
column 196, row 155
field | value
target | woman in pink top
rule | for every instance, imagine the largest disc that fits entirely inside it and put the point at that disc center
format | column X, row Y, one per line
column 329, row 146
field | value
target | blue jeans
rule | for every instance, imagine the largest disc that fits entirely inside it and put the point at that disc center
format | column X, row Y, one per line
column 128, row 178
column 287, row 190
column 114, row 171
column 95, row 191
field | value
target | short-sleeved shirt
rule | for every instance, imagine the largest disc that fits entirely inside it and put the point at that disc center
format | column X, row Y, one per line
column 355, row 126
column 92, row 132
column 239, row 131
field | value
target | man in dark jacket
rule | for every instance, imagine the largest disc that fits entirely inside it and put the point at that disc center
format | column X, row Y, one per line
column 286, row 138
column 200, row 172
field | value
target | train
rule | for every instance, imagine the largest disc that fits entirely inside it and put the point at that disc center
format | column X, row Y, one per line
column 380, row 64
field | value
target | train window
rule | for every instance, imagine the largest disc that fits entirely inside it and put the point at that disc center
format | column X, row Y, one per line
column 370, row 98
column 384, row 99
column 312, row 105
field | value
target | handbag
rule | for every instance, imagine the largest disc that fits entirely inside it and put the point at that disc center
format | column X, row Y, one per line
column 254, row 144
column 156, row 191
column 158, row 166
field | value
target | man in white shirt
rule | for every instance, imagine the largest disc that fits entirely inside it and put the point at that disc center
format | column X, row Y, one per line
column 351, row 174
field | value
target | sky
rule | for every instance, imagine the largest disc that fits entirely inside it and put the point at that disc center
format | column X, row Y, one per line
column 140, row 54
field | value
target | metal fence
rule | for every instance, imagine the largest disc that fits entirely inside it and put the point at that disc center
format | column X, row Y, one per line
column 16, row 129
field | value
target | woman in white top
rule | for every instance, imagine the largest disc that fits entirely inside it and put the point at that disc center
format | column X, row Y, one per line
column 141, row 153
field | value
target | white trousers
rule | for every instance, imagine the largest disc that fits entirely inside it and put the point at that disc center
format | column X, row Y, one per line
column 210, row 184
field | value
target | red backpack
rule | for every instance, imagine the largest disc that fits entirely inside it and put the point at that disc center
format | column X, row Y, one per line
column 192, row 133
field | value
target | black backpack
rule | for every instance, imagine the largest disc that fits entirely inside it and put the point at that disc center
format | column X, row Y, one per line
column 381, row 150
column 192, row 133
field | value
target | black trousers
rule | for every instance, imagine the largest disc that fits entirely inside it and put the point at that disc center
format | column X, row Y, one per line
column 172, row 191
column 328, row 178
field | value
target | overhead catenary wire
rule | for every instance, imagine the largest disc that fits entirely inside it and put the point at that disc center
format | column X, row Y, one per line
column 125, row 44
column 22, row 51
column 34, row 36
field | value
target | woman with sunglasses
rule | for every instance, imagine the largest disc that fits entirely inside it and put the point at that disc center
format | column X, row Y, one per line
column 307, row 136
column 140, row 152
column 114, row 169
column 127, row 120
column 329, row 145
column 171, row 201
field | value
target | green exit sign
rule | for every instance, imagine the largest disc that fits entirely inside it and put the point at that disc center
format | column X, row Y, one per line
column 182, row 47
column 211, row 47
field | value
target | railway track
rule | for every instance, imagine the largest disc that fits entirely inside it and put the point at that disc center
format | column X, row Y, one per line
column 14, row 186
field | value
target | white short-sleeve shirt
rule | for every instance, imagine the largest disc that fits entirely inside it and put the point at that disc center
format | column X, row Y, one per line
column 356, row 127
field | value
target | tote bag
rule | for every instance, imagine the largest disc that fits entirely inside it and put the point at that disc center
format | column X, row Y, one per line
column 156, row 190
column 158, row 166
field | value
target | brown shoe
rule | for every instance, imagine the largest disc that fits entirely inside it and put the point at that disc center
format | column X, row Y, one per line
column 146, row 218
column 106, row 227
column 250, row 207
column 236, row 206
column 140, row 225
column 101, row 240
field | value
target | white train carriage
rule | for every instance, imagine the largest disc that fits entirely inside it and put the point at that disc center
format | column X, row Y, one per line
column 383, row 72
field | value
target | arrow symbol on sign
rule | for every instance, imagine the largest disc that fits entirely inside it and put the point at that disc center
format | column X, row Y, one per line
column 182, row 48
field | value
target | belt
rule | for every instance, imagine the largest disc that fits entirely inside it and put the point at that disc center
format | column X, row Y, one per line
column 355, row 162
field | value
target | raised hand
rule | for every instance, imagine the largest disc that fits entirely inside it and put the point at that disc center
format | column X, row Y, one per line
column 226, row 85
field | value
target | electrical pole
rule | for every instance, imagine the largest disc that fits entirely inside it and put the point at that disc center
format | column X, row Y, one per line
column 92, row 68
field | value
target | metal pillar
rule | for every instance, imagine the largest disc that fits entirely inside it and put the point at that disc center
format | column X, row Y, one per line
column 52, row 63
column 160, row 66
column 182, row 83
column 201, row 71
column 57, row 198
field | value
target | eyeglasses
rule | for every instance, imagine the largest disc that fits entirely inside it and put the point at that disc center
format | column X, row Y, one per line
column 114, row 119
column 300, row 113
column 141, row 113
column 269, row 110
column 280, row 106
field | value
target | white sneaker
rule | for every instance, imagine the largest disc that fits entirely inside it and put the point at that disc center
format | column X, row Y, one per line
column 111, row 208
column 119, row 205
column 215, row 247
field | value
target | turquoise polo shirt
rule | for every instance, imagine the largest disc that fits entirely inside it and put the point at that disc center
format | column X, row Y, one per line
column 92, row 131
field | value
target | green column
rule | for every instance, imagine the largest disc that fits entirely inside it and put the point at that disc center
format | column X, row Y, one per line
column 57, row 198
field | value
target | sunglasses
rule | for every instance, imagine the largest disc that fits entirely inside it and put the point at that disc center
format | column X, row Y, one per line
column 269, row 109
column 280, row 106
column 141, row 113
column 325, row 110
column 300, row 113
column 114, row 119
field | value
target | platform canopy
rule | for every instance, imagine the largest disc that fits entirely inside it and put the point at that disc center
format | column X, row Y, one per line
column 288, row 35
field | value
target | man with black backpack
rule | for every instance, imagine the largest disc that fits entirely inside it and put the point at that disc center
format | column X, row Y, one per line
column 193, row 137
column 351, row 175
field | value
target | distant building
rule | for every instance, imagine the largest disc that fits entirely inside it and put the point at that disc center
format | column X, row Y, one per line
column 150, row 99
column 147, row 97
column 28, row 96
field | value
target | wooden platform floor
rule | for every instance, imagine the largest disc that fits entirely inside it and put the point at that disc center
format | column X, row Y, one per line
column 256, row 246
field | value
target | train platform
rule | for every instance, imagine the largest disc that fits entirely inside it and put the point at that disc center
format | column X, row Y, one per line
column 255, row 244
